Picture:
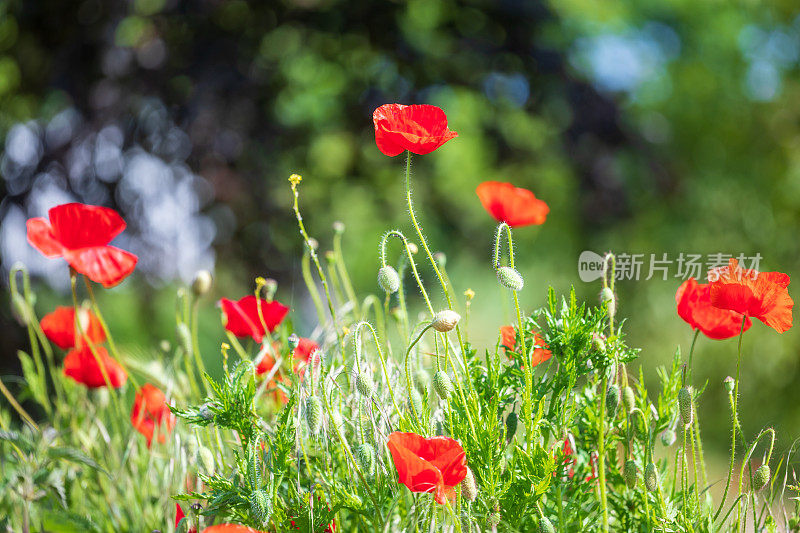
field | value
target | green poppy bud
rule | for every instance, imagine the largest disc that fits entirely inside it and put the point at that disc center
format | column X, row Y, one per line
column 668, row 437
column 292, row 342
column 442, row 384
column 612, row 400
column 510, row 278
column 685, row 406
column 389, row 279
column 628, row 399
column 468, row 488
column 607, row 297
column 445, row 321
column 630, row 472
column 729, row 384
column 511, row 426
column 761, row 477
column 415, row 402
column 545, row 526
column 364, row 384
column 651, row 477
column 365, row 455
column 314, row 414
column 202, row 282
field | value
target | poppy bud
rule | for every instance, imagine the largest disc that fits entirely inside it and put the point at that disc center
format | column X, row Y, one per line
column 510, row 278
column 422, row 378
column 441, row 259
column 651, row 477
column 445, row 321
column 184, row 337
column 312, row 243
column 388, row 279
column 415, row 402
column 292, row 342
column 365, row 455
column 330, row 257
column 685, row 406
column 413, row 248
column 668, row 437
column 630, row 472
column 205, row 458
column 201, row 283
column 629, row 399
column 338, row 227
column 511, row 426
column 761, row 477
column 314, row 414
column 442, row 384
column 468, row 488
column 598, row 343
column 612, row 400
column 270, row 288
column 607, row 297
column 545, row 526
column 729, row 384
column 364, row 384
column 261, row 506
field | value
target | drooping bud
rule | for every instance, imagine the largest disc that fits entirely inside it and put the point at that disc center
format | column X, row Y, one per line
column 631, row 472
column 201, row 283
column 468, row 488
column 184, row 337
column 629, row 399
column 415, row 402
column 442, row 384
column 545, row 526
column 422, row 378
column 365, row 455
column 388, row 279
column 761, row 477
column 338, row 227
column 668, row 437
column 261, row 506
column 607, row 297
column 445, row 321
column 364, row 384
column 685, row 406
column 510, row 278
column 314, row 414
column 729, row 384
column 651, row 477
column 441, row 259
column 511, row 426
column 612, row 400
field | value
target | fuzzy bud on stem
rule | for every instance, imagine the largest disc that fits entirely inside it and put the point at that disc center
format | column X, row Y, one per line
column 545, row 526
column 202, row 282
column 389, row 279
column 468, row 488
column 630, row 473
column 314, row 414
column 442, row 384
column 729, row 384
column 510, row 278
column 651, row 477
column 629, row 399
column 607, row 297
column 612, row 400
column 685, row 406
column 761, row 477
column 445, row 321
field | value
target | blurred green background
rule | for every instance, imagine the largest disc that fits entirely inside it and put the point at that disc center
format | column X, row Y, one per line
column 653, row 127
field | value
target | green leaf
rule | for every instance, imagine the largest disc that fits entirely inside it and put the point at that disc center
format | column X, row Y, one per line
column 66, row 522
column 75, row 456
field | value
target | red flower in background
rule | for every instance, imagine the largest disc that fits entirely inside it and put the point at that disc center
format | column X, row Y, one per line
column 151, row 411
column 179, row 516
column 761, row 295
column 306, row 354
column 59, row 326
column 541, row 351
column 243, row 320
column 81, row 365
column 420, row 129
column 512, row 205
column 80, row 234
column 230, row 528
column 434, row 465
column 694, row 307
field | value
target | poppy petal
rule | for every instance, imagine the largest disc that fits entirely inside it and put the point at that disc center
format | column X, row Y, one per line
column 59, row 326
column 420, row 129
column 82, row 366
column 106, row 265
column 81, row 226
column 41, row 237
column 513, row 205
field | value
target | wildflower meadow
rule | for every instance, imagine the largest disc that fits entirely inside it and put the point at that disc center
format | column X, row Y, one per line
column 389, row 418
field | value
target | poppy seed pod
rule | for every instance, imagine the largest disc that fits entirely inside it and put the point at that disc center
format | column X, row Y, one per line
column 442, row 384
column 314, row 414
column 630, row 472
column 651, row 477
column 270, row 288
column 388, row 279
column 510, row 278
column 761, row 477
column 201, row 283
column 364, row 384
column 607, row 297
column 729, row 384
column 668, row 437
column 685, row 406
column 261, row 506
column 629, row 399
column 545, row 526
column 612, row 400
column 293, row 342
column 511, row 426
column 468, row 488
column 445, row 321
column 365, row 455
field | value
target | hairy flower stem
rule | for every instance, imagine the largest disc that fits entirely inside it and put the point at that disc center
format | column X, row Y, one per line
column 735, row 417
column 601, row 445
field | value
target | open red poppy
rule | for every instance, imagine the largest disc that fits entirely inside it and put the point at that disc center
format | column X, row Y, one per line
column 541, row 352
column 243, row 320
column 512, row 205
column 420, row 129
column 435, row 465
column 80, row 234
column 694, row 306
column 761, row 295
column 231, row 528
column 151, row 412
column 59, row 326
column 81, row 365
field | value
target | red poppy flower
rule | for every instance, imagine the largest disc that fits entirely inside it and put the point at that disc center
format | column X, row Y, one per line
column 151, row 411
column 80, row 234
column 541, row 352
column 512, row 205
column 243, row 320
column 304, row 353
column 761, row 295
column 568, row 451
column 59, row 326
column 434, row 465
column 230, row 528
column 420, row 129
column 694, row 306
column 81, row 365
column 179, row 516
